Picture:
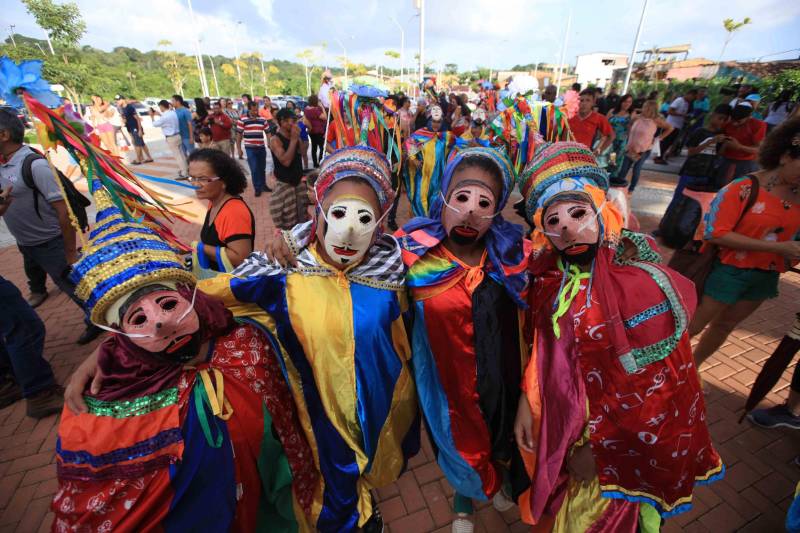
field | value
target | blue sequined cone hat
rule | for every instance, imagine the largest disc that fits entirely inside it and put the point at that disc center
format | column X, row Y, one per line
column 121, row 257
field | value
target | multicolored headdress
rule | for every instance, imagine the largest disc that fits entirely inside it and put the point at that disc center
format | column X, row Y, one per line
column 121, row 257
column 360, row 117
column 504, row 240
column 566, row 168
column 360, row 162
column 130, row 246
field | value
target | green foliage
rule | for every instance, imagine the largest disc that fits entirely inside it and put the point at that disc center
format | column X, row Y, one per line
column 156, row 73
column 787, row 80
column 63, row 22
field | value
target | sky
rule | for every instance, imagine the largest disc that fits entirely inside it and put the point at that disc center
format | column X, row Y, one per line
column 491, row 33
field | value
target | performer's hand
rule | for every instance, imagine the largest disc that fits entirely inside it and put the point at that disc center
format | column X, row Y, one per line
column 581, row 465
column 87, row 371
column 279, row 251
column 523, row 432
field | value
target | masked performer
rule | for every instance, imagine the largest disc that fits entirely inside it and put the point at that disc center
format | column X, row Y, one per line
column 338, row 321
column 612, row 419
column 427, row 151
column 467, row 272
column 194, row 428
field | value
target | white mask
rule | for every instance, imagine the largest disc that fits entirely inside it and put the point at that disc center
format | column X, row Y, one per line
column 351, row 223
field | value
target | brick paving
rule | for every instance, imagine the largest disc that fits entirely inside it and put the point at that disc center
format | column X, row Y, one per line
column 753, row 497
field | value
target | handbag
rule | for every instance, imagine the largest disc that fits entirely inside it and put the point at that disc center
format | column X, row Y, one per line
column 695, row 261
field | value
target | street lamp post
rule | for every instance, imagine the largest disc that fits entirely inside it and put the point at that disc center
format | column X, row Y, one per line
column 421, row 7
column 201, row 68
column 563, row 53
column 633, row 50
column 236, row 49
column 402, row 49
column 344, row 50
column 11, row 34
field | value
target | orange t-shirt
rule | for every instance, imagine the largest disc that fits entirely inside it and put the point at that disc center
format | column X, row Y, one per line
column 233, row 222
column 770, row 219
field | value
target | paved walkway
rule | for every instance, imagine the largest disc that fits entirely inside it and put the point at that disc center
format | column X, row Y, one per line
column 753, row 497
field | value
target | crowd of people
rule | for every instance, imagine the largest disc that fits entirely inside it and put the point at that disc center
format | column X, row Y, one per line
column 276, row 389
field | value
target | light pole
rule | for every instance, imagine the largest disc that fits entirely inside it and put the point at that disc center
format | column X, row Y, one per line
column 402, row 49
column 200, row 67
column 633, row 50
column 11, row 34
column 563, row 53
column 344, row 50
column 236, row 49
column 421, row 7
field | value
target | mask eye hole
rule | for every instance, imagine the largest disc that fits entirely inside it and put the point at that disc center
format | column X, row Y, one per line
column 484, row 203
column 578, row 213
column 169, row 305
column 552, row 221
column 338, row 212
column 462, row 197
column 365, row 219
column 138, row 320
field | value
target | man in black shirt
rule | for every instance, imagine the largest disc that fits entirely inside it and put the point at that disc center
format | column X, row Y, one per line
column 701, row 170
column 288, row 205
column 133, row 123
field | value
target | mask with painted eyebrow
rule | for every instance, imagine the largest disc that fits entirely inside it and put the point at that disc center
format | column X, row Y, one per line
column 180, row 319
column 583, row 226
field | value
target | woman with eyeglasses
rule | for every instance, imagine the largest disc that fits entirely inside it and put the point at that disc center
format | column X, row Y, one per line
column 229, row 228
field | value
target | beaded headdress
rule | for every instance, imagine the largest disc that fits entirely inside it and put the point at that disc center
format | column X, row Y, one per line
column 130, row 247
column 122, row 256
column 362, row 162
column 558, row 168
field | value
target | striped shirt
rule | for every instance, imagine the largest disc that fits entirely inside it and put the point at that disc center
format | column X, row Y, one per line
column 252, row 130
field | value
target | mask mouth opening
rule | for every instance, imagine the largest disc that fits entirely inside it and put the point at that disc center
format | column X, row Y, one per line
column 178, row 343
column 465, row 231
column 345, row 251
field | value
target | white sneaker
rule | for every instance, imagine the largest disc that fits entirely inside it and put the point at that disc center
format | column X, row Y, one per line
column 501, row 502
column 463, row 524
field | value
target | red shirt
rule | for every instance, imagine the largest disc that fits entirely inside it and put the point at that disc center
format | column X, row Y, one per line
column 750, row 133
column 220, row 127
column 585, row 129
column 314, row 117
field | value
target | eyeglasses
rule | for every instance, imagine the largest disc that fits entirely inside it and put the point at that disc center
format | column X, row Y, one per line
column 190, row 179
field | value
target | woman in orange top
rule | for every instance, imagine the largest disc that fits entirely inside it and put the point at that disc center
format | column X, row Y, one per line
column 229, row 229
column 755, row 245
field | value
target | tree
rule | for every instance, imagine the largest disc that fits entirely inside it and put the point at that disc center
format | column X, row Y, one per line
column 307, row 56
column 730, row 28
column 175, row 65
column 450, row 68
column 63, row 23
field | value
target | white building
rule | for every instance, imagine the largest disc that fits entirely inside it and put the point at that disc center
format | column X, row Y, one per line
column 597, row 68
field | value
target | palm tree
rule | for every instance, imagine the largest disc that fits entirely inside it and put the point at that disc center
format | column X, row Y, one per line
column 730, row 27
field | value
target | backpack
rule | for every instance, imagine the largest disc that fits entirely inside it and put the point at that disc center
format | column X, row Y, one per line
column 680, row 221
column 77, row 201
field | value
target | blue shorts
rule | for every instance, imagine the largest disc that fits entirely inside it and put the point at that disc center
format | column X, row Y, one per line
column 137, row 139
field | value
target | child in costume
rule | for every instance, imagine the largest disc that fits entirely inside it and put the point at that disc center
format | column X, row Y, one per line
column 467, row 271
column 337, row 319
column 612, row 419
column 194, row 427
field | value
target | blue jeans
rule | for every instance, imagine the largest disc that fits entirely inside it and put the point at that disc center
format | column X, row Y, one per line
column 22, row 342
column 637, row 170
column 188, row 145
column 257, row 161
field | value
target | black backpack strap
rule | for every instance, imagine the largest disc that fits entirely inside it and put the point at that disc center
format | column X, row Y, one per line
column 27, row 179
